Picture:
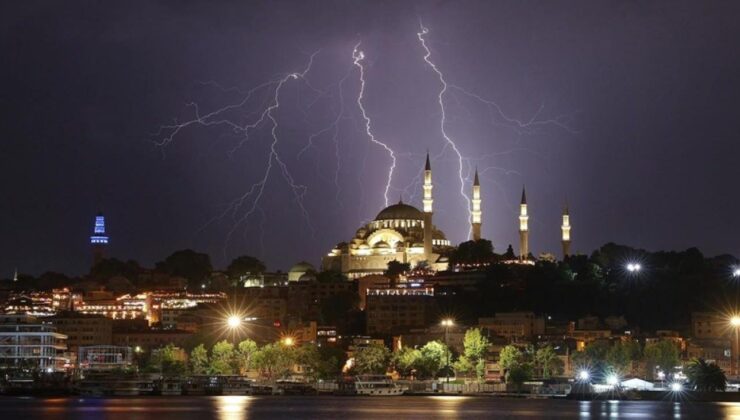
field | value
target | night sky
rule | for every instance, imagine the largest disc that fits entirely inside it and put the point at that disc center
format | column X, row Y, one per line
column 629, row 110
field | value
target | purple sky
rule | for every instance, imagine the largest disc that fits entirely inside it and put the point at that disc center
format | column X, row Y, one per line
column 645, row 95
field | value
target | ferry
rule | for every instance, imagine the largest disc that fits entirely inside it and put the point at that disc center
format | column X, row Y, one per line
column 171, row 387
column 373, row 385
column 237, row 385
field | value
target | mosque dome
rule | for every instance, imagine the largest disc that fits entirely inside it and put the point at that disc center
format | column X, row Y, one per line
column 400, row 211
column 298, row 270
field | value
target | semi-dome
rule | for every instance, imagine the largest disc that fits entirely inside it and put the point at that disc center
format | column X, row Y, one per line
column 400, row 211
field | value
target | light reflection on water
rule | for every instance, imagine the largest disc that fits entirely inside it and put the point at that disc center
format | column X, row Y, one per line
column 390, row 408
column 232, row 407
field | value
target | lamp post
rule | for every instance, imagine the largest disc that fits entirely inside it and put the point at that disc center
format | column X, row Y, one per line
column 735, row 322
column 447, row 323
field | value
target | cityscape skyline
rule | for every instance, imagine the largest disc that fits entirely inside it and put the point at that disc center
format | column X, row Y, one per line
column 606, row 138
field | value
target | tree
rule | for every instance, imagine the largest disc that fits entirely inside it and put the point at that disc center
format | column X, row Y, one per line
column 274, row 360
column 372, row 359
column 518, row 374
column 476, row 347
column 662, row 354
column 241, row 266
column 432, row 357
column 706, row 376
column 245, row 355
column 473, row 252
column 167, row 361
column 548, row 362
column 187, row 263
column 621, row 355
column 395, row 269
column 199, row 360
column 509, row 357
column 112, row 267
column 222, row 358
column 405, row 361
column 331, row 362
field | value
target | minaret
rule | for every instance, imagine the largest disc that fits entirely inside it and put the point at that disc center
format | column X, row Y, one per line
column 566, row 232
column 476, row 213
column 428, row 210
column 99, row 240
column 523, row 228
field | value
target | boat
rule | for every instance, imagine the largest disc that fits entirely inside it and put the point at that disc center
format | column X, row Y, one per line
column 237, row 385
column 193, row 387
column 295, row 387
column 171, row 387
column 373, row 385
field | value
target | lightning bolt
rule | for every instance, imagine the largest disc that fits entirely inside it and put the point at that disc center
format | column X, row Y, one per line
column 443, row 119
column 242, row 207
column 358, row 56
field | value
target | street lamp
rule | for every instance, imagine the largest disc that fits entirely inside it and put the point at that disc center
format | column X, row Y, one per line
column 447, row 323
column 735, row 323
column 583, row 375
column 612, row 380
column 288, row 341
column 634, row 267
column 234, row 321
column 736, row 272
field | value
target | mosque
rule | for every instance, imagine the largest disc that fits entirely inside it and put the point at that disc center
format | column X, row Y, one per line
column 403, row 233
column 399, row 232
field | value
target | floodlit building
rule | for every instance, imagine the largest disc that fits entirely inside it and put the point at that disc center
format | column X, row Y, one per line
column 514, row 325
column 99, row 239
column 27, row 343
column 396, row 310
column 83, row 330
column 400, row 232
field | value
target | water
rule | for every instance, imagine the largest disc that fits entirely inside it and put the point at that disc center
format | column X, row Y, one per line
column 327, row 407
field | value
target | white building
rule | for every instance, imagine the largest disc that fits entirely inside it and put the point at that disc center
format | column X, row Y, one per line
column 27, row 343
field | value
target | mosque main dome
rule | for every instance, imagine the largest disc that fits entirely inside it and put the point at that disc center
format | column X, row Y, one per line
column 400, row 211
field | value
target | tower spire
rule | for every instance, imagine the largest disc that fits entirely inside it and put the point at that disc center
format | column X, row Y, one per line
column 476, row 213
column 99, row 239
column 428, row 210
column 565, row 228
column 523, row 228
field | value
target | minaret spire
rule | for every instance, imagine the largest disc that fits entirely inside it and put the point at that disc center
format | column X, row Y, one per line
column 476, row 213
column 565, row 228
column 523, row 228
column 428, row 210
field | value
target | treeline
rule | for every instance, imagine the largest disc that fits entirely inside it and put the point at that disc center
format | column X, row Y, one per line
column 662, row 295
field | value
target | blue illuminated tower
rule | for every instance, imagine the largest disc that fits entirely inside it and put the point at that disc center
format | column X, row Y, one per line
column 99, row 240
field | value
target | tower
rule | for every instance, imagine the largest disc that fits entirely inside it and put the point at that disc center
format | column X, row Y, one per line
column 99, row 240
column 476, row 213
column 428, row 210
column 523, row 228
column 565, row 228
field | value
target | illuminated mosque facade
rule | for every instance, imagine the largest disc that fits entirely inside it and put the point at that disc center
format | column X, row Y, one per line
column 400, row 232
column 403, row 233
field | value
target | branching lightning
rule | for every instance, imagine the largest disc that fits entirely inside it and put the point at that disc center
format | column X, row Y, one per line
column 250, row 200
column 358, row 56
column 442, row 121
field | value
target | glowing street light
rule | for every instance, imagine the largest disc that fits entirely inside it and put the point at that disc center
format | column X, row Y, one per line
column 612, row 380
column 288, row 341
column 447, row 323
column 736, row 272
column 676, row 387
column 634, row 267
column 234, row 321
column 583, row 375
